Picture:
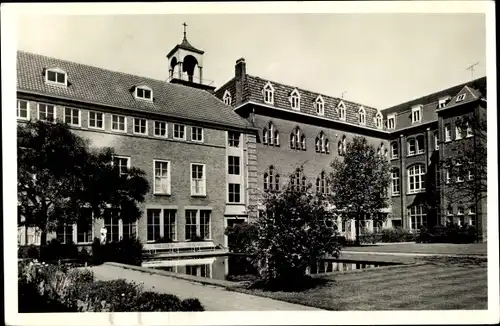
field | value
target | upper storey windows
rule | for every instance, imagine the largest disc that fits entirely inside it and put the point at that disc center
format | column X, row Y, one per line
column 391, row 122
column 319, row 104
column 143, row 93
column 341, row 111
column 297, row 139
column 362, row 116
column 56, row 76
column 295, row 100
column 268, row 93
column 379, row 120
column 227, row 98
column 416, row 114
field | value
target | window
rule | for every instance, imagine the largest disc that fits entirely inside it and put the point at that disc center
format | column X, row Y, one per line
column 144, row 93
column 320, row 105
column 118, row 123
column 416, row 114
column 128, row 230
column 169, row 224
column 391, row 122
column 298, row 182
column 420, row 144
column 470, row 173
column 436, row 140
column 295, row 100
column 46, row 112
column 271, row 180
column 362, row 116
column 64, row 233
column 395, row 181
column 23, row 110
column 416, row 178
column 265, row 135
column 458, row 133
column 270, row 136
column 472, row 210
column 112, row 225
column 153, row 216
column 197, row 134
column 341, row 109
column 84, row 232
column 342, row 146
column 447, row 133
column 96, row 120
column 378, row 120
column 297, row 139
column 418, row 217
column 412, row 148
column 234, row 139
column 198, row 180
column 449, row 211
column 460, row 210
column 268, row 92
column 161, row 224
column 179, row 131
column 276, row 138
column 227, row 98
column 322, row 144
column 322, row 186
column 161, row 129
column 459, row 174
column 234, row 165
column 56, row 77
column 468, row 130
column 199, row 270
column 448, row 177
column 198, row 224
column 162, row 177
column 140, row 126
column 394, row 150
column 122, row 164
column 460, row 98
column 442, row 103
column 234, row 193
column 72, row 116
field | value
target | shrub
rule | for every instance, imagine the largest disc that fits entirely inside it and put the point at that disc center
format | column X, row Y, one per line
column 29, row 251
column 152, row 301
column 191, row 305
column 242, row 237
column 126, row 251
column 369, row 237
column 397, row 235
column 118, row 295
column 448, row 234
column 55, row 250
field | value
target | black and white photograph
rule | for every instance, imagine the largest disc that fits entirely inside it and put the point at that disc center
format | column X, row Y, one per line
column 217, row 163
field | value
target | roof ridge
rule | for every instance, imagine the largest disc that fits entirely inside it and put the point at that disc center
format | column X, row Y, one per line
column 306, row 90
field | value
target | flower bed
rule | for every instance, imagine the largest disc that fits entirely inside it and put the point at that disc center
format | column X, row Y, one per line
column 50, row 288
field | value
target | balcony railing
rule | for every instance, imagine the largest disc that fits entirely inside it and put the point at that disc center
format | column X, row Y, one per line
column 193, row 79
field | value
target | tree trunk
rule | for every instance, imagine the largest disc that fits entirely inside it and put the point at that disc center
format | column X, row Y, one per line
column 356, row 223
column 43, row 238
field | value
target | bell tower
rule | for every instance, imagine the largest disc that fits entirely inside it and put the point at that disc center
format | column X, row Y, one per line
column 186, row 65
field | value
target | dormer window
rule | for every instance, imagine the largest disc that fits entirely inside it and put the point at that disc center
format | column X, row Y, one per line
column 362, row 116
column 56, row 76
column 341, row 111
column 295, row 100
column 268, row 92
column 460, row 98
column 227, row 98
column 416, row 114
column 391, row 121
column 378, row 120
column 320, row 105
column 144, row 93
column 442, row 102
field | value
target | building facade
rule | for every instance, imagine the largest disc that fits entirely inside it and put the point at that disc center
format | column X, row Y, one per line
column 209, row 154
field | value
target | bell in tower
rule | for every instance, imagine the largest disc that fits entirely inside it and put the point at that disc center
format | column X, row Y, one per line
column 186, row 65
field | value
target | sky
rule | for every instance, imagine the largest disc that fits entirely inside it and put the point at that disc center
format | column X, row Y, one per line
column 378, row 60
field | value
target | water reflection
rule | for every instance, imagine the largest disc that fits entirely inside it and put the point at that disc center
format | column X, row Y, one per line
column 230, row 267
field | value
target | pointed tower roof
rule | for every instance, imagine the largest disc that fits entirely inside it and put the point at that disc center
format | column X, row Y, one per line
column 184, row 45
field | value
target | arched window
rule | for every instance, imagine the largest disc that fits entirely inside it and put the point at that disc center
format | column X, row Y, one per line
column 227, row 98
column 394, row 150
column 277, row 182
column 264, row 136
column 341, row 111
column 340, row 148
column 295, row 99
column 327, row 146
column 298, row 181
column 320, row 105
column 412, row 149
column 297, row 139
column 303, row 142
column 271, row 179
column 344, row 145
column 270, row 135
column 379, row 120
column 362, row 116
column 420, row 144
column 322, row 184
column 268, row 92
column 322, row 145
column 395, row 181
column 416, row 178
column 266, row 181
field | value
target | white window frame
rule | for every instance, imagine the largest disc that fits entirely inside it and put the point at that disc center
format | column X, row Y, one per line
column 295, row 100
column 227, row 98
column 173, row 131
column 154, row 129
column 391, row 118
column 202, row 134
column 458, row 133
column 394, row 145
column 198, row 221
column 342, row 111
column 468, row 131
column 169, row 180
column 75, row 230
column 143, row 88
column 79, row 116
column 447, row 133
column 102, row 118
column 416, row 114
column 395, row 177
column 121, row 157
column 421, row 177
column 38, row 111
column 379, row 121
column 56, row 71
column 447, row 176
column 268, row 93
column 145, row 129
column 417, row 214
column 162, row 221
column 320, row 105
column 460, row 98
column 417, row 145
column 203, row 180
column 19, row 109
column 459, row 177
column 436, row 140
column 460, row 211
column 124, row 123
column 362, row 116
column 410, row 152
column 239, row 193
column 232, row 158
column 229, row 133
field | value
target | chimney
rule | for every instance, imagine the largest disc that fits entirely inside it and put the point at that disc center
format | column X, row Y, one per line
column 240, row 69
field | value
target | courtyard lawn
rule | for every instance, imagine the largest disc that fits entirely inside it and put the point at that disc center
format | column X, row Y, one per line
column 440, row 283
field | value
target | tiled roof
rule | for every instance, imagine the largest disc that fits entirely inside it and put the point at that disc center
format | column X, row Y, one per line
column 469, row 95
column 110, row 88
column 478, row 84
column 252, row 91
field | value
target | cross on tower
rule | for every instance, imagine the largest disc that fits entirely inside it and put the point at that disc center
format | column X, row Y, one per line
column 185, row 25
column 471, row 68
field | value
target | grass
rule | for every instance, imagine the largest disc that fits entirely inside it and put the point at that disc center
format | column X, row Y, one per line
column 440, row 283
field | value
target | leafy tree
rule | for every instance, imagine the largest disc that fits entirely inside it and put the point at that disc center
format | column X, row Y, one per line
column 59, row 175
column 359, row 183
column 295, row 230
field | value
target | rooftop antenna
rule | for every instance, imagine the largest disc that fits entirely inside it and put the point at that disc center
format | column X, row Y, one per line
column 342, row 96
column 185, row 25
column 471, row 68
